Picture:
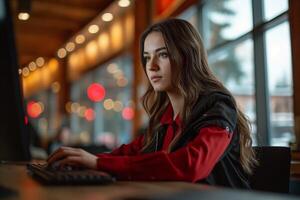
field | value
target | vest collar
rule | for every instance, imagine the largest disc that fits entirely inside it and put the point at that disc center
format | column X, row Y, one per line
column 167, row 117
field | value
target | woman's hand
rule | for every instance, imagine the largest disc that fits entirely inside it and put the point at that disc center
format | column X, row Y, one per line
column 73, row 156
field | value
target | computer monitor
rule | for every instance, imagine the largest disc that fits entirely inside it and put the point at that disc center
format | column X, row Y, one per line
column 14, row 136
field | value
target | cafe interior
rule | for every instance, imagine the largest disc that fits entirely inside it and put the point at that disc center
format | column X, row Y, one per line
column 82, row 80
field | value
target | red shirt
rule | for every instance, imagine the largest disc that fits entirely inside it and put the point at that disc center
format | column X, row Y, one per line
column 191, row 163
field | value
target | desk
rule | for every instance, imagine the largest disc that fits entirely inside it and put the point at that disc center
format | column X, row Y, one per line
column 15, row 177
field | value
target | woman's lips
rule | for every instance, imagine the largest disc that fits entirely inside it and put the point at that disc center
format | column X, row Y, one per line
column 155, row 78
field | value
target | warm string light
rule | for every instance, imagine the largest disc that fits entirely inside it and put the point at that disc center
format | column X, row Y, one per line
column 82, row 111
column 93, row 28
column 124, row 3
column 23, row 16
column 118, row 74
column 25, row 71
column 118, row 106
column 40, row 61
column 55, row 87
column 107, row 17
column 70, row 46
column 61, row 53
column 89, row 114
column 121, row 81
column 32, row 66
column 108, row 104
column 80, row 39
column 74, row 107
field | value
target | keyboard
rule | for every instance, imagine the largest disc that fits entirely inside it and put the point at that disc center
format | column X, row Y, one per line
column 68, row 175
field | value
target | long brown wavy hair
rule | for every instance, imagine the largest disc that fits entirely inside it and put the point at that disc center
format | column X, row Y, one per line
column 192, row 77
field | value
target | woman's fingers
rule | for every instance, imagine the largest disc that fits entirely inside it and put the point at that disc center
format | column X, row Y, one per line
column 55, row 152
column 73, row 156
column 71, row 160
column 62, row 153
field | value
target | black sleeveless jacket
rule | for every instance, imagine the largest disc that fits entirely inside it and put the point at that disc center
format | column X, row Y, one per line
column 213, row 109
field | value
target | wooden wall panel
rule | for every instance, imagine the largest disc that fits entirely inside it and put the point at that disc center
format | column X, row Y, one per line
column 294, row 17
column 143, row 18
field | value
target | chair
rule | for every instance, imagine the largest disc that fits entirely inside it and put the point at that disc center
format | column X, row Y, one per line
column 273, row 172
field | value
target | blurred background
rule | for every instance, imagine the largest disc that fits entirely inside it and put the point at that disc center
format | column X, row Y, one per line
column 82, row 79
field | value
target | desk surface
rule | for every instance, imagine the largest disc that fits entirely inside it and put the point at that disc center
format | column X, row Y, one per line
column 15, row 177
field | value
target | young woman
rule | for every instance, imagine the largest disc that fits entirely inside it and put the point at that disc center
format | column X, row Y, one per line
column 196, row 132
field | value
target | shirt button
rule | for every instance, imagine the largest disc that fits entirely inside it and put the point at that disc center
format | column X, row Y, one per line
column 227, row 128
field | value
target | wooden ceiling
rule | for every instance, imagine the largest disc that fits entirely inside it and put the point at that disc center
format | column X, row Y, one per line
column 51, row 23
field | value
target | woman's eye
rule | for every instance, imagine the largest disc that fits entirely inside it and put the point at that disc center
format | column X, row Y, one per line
column 146, row 58
column 164, row 54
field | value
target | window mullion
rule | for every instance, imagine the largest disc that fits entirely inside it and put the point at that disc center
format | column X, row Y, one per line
column 261, row 81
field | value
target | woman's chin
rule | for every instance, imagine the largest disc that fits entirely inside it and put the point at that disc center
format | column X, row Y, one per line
column 158, row 89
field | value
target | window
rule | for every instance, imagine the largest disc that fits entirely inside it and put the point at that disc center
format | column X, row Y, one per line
column 230, row 59
column 239, row 52
column 107, row 121
column 42, row 112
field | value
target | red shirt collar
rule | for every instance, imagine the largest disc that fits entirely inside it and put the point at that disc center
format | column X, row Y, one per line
column 167, row 117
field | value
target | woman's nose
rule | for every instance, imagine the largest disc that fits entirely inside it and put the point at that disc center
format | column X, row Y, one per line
column 153, row 66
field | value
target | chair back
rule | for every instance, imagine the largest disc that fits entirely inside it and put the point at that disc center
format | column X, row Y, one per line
column 273, row 172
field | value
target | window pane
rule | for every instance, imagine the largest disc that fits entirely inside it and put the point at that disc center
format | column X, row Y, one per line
column 273, row 8
column 225, row 20
column 234, row 67
column 280, row 84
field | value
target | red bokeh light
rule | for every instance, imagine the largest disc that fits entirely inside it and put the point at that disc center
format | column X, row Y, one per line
column 34, row 109
column 89, row 114
column 96, row 92
column 128, row 113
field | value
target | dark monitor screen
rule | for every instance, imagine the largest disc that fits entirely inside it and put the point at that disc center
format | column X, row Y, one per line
column 14, row 137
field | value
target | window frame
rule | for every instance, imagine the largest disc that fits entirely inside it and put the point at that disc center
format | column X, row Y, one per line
column 257, row 33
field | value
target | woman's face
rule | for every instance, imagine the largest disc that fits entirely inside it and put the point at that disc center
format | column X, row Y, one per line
column 158, row 67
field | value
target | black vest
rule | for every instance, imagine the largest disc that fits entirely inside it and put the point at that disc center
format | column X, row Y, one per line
column 213, row 109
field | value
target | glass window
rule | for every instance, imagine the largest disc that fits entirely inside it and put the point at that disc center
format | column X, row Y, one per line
column 278, row 50
column 273, row 8
column 225, row 20
column 234, row 67
column 222, row 23
column 107, row 121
